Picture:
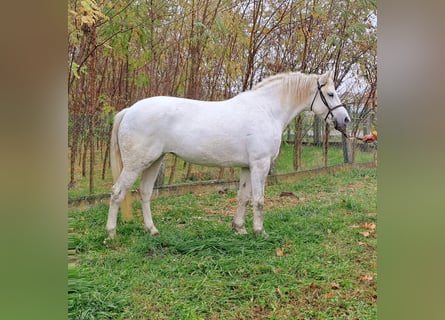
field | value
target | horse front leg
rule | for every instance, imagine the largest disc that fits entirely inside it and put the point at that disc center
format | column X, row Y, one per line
column 259, row 171
column 244, row 195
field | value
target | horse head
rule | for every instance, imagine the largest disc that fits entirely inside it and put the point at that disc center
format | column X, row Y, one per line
column 326, row 103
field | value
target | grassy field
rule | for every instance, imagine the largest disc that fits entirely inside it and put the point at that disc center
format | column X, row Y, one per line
column 312, row 158
column 318, row 262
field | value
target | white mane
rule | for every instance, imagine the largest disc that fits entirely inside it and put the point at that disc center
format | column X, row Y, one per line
column 295, row 85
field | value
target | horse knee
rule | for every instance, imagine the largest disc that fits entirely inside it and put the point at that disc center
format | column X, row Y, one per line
column 117, row 194
column 243, row 198
column 145, row 195
column 258, row 205
column 243, row 202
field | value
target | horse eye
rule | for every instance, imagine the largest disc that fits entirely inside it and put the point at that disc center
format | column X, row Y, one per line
column 331, row 94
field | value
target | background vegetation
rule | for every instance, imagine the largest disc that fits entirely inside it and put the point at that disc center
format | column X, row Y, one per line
column 319, row 261
column 122, row 51
column 311, row 158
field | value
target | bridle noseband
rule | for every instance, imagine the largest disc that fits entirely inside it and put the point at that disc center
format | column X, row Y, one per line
column 323, row 98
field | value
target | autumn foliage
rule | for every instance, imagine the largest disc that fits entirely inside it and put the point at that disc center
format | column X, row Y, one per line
column 122, row 51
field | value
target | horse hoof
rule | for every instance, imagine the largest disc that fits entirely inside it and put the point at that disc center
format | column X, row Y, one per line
column 261, row 232
column 153, row 231
column 238, row 229
column 111, row 234
column 241, row 231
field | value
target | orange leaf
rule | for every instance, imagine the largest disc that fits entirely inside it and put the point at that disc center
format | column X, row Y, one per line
column 366, row 278
column 312, row 287
column 289, row 244
column 365, row 233
column 335, row 285
column 279, row 252
column 370, row 226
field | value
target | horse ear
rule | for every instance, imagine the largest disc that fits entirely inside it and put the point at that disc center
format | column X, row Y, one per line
column 330, row 74
column 325, row 77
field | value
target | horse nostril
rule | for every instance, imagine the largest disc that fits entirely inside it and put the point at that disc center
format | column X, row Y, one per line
column 347, row 120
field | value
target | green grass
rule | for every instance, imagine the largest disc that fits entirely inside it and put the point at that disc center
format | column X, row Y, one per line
column 312, row 157
column 199, row 269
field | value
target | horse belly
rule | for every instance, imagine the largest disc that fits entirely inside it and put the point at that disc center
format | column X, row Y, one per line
column 210, row 151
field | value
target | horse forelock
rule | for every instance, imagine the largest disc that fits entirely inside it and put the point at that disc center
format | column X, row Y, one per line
column 295, row 86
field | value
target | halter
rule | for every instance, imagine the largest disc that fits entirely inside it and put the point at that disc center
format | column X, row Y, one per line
column 325, row 102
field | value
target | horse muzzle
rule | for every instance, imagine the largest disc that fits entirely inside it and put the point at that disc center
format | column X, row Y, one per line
column 341, row 124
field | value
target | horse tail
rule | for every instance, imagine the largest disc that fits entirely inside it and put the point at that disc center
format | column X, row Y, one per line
column 117, row 165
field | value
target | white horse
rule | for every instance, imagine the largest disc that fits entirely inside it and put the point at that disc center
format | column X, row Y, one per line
column 244, row 131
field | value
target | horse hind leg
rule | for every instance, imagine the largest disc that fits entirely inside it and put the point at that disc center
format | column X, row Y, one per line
column 146, row 189
column 126, row 179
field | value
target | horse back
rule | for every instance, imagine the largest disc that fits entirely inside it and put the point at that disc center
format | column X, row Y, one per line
column 209, row 133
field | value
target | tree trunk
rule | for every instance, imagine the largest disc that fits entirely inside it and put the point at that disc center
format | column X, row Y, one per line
column 92, row 156
column 221, row 173
column 316, row 128
column 326, row 145
column 189, row 171
column 173, row 170
column 161, row 175
column 84, row 159
column 273, row 165
column 347, row 150
column 74, row 146
column 91, row 105
column 107, row 152
column 298, row 142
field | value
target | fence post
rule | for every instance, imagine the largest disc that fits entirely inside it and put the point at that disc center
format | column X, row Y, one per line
column 347, row 150
column 298, row 142
column 316, row 128
column 326, row 144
